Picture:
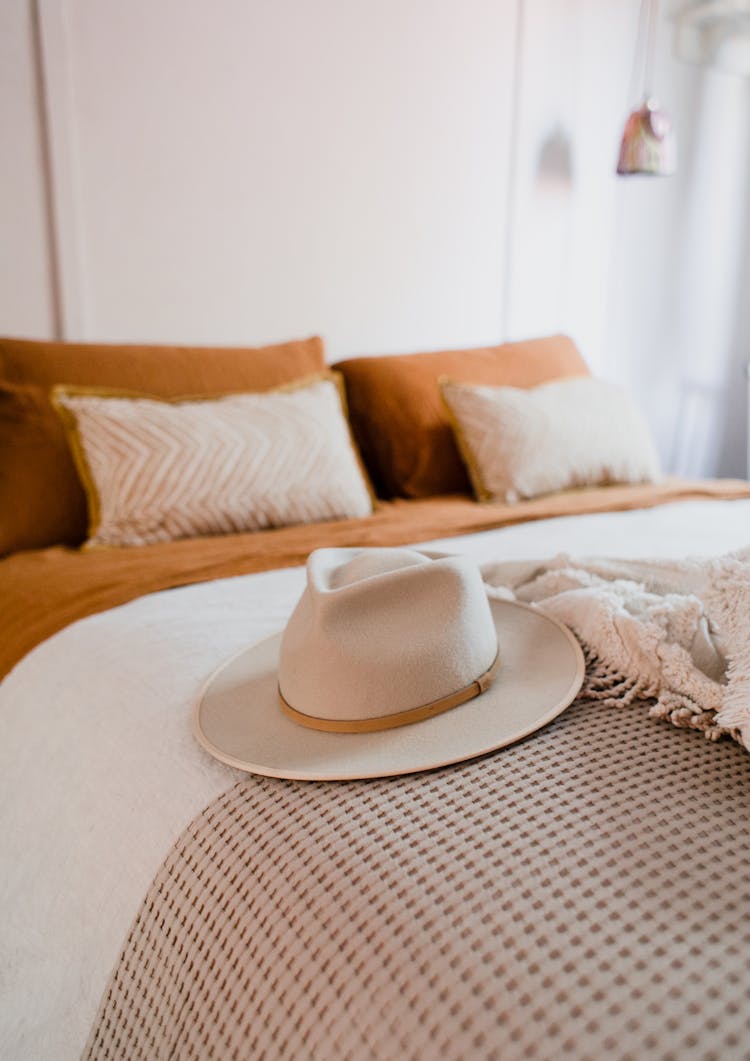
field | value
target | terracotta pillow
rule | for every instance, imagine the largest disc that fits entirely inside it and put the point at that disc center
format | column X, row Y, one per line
column 42, row 501
column 400, row 422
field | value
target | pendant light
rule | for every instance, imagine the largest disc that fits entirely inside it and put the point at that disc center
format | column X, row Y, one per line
column 648, row 142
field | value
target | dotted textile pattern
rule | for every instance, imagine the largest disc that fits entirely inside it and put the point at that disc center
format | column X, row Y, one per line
column 583, row 894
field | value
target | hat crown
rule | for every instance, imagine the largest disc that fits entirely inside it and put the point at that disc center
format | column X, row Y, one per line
column 379, row 632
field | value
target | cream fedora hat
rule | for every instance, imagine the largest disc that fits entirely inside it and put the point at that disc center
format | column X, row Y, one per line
column 393, row 661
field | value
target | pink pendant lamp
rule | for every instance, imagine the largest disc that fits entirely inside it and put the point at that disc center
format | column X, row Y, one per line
column 648, row 142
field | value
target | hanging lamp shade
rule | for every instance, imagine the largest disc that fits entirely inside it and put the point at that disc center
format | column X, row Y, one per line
column 648, row 143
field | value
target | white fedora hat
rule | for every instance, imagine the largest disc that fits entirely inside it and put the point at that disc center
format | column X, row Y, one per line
column 393, row 661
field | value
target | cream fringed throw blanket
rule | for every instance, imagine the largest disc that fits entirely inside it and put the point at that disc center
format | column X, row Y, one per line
column 674, row 633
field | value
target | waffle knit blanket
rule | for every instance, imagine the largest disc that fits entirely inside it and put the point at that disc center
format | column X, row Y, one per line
column 579, row 894
column 675, row 634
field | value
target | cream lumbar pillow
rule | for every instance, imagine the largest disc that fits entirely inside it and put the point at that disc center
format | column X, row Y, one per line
column 157, row 470
column 567, row 433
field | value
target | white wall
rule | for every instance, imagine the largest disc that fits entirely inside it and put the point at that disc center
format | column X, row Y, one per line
column 249, row 170
column 576, row 64
column 27, row 301
column 391, row 175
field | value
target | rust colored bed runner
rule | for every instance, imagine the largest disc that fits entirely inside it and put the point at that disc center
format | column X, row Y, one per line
column 43, row 591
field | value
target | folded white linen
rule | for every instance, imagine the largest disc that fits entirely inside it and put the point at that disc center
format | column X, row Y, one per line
column 675, row 633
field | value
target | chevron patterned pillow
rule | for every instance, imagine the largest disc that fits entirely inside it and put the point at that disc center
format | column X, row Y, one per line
column 156, row 470
column 520, row 443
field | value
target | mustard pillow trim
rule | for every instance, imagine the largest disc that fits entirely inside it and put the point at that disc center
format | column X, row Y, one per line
column 80, row 460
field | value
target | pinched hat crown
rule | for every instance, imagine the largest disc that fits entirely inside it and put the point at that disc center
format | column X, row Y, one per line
column 385, row 637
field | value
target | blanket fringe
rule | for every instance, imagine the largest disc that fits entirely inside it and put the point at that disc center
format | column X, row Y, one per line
column 672, row 634
column 605, row 685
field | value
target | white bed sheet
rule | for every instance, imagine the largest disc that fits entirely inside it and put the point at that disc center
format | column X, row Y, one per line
column 99, row 772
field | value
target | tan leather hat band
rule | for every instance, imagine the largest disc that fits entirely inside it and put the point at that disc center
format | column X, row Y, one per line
column 402, row 718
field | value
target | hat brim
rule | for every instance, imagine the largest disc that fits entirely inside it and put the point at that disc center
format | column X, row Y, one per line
column 239, row 721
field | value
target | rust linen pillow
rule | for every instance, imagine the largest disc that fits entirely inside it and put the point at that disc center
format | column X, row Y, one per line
column 157, row 470
column 42, row 501
column 400, row 422
column 568, row 433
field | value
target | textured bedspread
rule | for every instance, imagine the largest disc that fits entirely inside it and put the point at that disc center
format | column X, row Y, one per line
column 580, row 897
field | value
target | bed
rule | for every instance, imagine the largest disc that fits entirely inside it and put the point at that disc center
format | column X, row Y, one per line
column 580, row 892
